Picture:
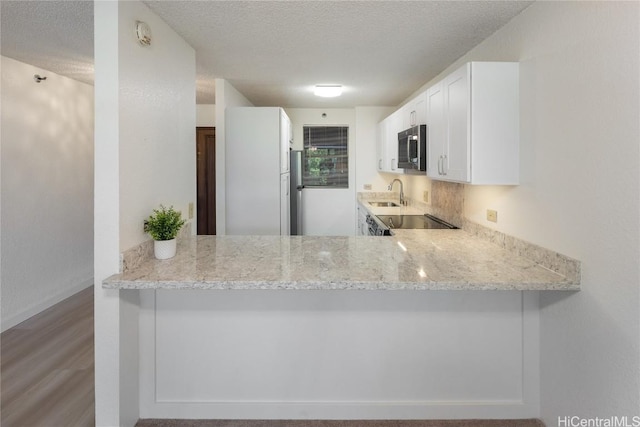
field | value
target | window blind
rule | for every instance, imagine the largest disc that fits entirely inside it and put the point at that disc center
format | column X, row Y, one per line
column 326, row 156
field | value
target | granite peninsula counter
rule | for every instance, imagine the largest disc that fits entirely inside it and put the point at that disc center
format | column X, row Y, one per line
column 333, row 328
column 410, row 260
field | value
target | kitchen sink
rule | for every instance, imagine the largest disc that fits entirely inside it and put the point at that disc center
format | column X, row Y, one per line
column 384, row 204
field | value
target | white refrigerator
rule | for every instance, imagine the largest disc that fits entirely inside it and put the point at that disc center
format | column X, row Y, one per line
column 257, row 191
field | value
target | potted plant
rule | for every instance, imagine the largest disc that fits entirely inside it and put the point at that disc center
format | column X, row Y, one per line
column 163, row 226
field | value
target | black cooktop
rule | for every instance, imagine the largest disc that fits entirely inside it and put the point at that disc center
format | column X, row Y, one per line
column 425, row 221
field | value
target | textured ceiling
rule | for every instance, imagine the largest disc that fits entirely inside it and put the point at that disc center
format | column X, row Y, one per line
column 380, row 51
column 275, row 51
column 54, row 35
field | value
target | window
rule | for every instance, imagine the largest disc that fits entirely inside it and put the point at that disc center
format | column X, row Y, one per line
column 326, row 157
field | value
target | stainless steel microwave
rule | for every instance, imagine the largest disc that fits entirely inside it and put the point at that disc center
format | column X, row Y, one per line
column 412, row 148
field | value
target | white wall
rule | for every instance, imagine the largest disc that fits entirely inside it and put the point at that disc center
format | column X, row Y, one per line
column 145, row 155
column 47, row 190
column 226, row 96
column 106, row 217
column 327, row 212
column 366, row 172
column 206, row 115
column 579, row 193
column 157, row 124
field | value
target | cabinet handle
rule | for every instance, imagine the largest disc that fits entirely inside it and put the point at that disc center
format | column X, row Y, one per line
column 444, row 159
column 439, row 165
column 380, row 164
column 393, row 162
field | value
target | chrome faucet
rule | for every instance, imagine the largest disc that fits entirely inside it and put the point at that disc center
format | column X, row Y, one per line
column 390, row 188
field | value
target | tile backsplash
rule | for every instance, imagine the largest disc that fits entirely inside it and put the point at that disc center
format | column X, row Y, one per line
column 447, row 202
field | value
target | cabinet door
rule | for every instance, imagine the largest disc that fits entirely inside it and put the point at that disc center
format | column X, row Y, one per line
column 285, row 205
column 414, row 112
column 473, row 116
column 435, row 130
column 407, row 113
column 362, row 223
column 285, row 129
column 381, row 136
column 420, row 109
column 457, row 160
column 394, row 126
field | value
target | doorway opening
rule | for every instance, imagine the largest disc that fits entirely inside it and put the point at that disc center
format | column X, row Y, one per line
column 206, row 179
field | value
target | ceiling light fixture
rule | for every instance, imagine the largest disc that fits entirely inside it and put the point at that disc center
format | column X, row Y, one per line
column 328, row 91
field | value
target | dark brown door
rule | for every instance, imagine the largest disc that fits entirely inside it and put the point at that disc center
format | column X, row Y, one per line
column 206, row 171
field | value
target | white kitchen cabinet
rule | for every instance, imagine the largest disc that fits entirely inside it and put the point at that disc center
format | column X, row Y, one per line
column 381, row 138
column 473, row 125
column 285, row 141
column 363, row 228
column 387, row 143
column 411, row 114
column 435, row 129
column 394, row 126
column 414, row 112
column 447, row 128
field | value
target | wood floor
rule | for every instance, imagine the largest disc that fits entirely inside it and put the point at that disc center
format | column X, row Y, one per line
column 47, row 367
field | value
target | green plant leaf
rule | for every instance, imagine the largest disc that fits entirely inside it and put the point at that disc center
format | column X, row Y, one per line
column 164, row 223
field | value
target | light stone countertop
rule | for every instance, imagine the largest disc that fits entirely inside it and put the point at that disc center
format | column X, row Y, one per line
column 410, row 260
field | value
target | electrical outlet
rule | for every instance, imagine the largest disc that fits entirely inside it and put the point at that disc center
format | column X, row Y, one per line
column 191, row 210
column 425, row 196
column 492, row 215
column 367, row 186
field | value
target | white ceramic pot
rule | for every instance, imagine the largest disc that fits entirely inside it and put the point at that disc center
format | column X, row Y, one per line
column 164, row 249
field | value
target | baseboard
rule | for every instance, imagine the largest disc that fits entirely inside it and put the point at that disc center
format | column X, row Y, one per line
column 20, row 317
column 530, row 422
column 392, row 410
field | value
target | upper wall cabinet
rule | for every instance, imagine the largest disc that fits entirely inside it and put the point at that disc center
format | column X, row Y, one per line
column 414, row 112
column 473, row 125
column 380, row 141
column 387, row 143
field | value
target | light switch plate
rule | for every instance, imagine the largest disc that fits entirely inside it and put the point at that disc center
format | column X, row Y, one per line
column 191, row 210
column 492, row 215
column 367, row 186
column 425, row 196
